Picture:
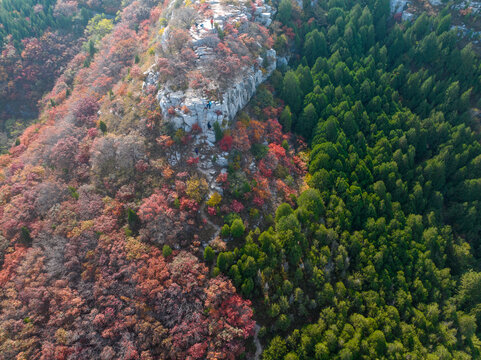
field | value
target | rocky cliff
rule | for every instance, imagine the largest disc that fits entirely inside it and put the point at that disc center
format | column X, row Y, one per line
column 230, row 84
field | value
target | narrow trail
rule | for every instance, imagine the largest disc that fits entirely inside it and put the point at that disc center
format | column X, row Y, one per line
column 257, row 343
column 205, row 216
column 203, row 213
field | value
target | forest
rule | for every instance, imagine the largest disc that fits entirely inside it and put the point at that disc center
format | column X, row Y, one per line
column 378, row 258
column 37, row 40
column 344, row 224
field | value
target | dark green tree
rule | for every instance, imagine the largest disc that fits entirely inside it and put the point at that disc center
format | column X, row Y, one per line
column 284, row 13
column 307, row 121
column 134, row 221
column 219, row 134
column 209, row 254
column 166, row 250
column 276, row 350
column 286, row 119
column 315, row 46
column 237, row 228
column 25, row 237
column 291, row 91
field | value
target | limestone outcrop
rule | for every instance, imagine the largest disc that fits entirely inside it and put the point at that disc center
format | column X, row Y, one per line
column 398, row 6
column 233, row 99
column 186, row 107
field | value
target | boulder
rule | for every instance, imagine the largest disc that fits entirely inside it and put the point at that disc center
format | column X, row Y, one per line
column 266, row 19
column 190, row 120
column 398, row 6
column 407, row 16
column 217, row 189
column 178, row 122
column 222, row 161
column 211, row 138
column 151, row 78
column 282, row 62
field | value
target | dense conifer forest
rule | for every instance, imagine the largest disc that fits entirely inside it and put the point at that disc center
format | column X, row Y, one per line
column 378, row 258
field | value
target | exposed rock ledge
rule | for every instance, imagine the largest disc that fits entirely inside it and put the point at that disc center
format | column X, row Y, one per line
column 186, row 108
column 398, row 6
column 234, row 98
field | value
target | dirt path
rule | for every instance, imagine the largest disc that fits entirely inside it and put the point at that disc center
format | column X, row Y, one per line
column 203, row 213
column 205, row 216
column 257, row 343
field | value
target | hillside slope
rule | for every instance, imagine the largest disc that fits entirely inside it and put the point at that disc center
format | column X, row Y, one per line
column 37, row 41
column 90, row 194
column 221, row 179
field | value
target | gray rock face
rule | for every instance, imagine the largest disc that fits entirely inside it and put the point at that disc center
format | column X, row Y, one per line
column 401, row 6
column 407, row 16
column 282, row 62
column 398, row 6
column 151, row 78
column 234, row 98
column 474, row 5
column 222, row 161
column 186, row 108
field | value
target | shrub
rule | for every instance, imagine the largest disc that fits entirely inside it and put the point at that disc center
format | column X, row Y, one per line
column 226, row 143
column 85, row 109
column 225, row 231
column 237, row 229
column 163, row 22
column 247, row 287
column 259, row 151
column 214, row 200
column 229, row 218
column 192, row 160
column 166, row 251
column 262, row 332
column 209, row 255
column 236, row 206
column 196, row 129
column 25, row 237
column 219, row 134
column 73, row 192
column 177, row 203
column 286, row 119
column 283, row 322
column 102, row 127
column 220, row 32
column 215, row 271
column 196, row 189
column 133, row 220
column 179, row 135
